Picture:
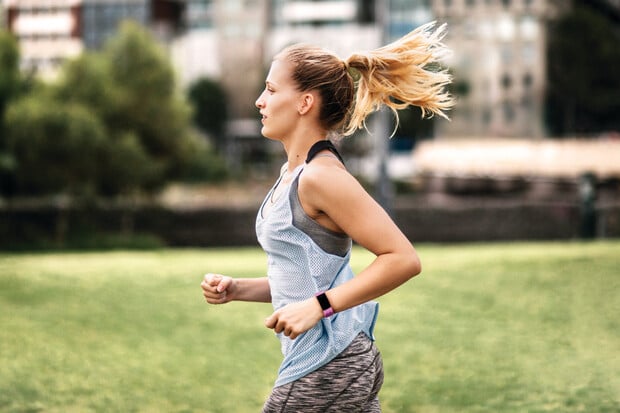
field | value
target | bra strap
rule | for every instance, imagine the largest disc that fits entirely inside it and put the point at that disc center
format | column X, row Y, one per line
column 320, row 146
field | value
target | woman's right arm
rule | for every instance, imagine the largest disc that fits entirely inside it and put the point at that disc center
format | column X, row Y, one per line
column 221, row 289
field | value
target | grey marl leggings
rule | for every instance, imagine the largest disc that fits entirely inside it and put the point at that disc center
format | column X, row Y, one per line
column 350, row 383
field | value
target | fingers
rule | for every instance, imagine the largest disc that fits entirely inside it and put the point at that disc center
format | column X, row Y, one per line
column 223, row 285
column 215, row 288
column 292, row 321
column 278, row 325
column 270, row 322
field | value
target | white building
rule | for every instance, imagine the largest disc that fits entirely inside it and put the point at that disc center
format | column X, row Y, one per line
column 499, row 66
column 50, row 31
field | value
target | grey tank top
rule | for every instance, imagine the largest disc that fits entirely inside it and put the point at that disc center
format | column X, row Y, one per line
column 329, row 241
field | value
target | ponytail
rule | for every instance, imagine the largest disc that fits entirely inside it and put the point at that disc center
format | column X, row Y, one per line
column 403, row 73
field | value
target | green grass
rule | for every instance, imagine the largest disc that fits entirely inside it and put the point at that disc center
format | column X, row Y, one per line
column 527, row 327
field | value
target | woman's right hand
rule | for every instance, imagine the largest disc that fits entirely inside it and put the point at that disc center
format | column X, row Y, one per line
column 217, row 288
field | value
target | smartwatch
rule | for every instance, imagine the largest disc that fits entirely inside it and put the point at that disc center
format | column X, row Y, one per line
column 328, row 311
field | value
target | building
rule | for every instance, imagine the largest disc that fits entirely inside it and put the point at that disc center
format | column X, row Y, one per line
column 224, row 40
column 498, row 64
column 195, row 52
column 342, row 26
column 498, row 45
column 241, row 28
column 498, row 48
column 47, row 32
column 50, row 31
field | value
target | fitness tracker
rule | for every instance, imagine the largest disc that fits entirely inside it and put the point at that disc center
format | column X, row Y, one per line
column 328, row 311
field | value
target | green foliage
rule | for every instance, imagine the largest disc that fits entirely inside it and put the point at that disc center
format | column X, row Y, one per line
column 132, row 124
column 9, row 88
column 210, row 113
column 583, row 92
column 202, row 163
column 9, row 71
column 56, row 146
column 511, row 328
column 125, row 166
column 148, row 104
column 86, row 80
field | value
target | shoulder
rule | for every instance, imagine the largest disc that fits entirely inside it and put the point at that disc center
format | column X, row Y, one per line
column 324, row 181
column 322, row 172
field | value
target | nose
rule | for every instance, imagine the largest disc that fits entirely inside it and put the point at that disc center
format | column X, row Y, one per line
column 260, row 103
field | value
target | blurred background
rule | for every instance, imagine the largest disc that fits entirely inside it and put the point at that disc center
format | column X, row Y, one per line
column 132, row 122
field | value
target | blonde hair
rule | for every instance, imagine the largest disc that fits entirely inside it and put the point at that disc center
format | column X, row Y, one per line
column 403, row 73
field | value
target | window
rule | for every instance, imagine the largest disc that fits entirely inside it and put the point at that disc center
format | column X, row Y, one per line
column 509, row 112
column 528, row 53
column 506, row 81
column 487, row 116
column 506, row 53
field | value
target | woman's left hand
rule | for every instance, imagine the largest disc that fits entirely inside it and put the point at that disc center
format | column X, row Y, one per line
column 295, row 318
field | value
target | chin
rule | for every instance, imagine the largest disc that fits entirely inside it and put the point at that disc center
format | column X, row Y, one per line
column 265, row 133
column 268, row 135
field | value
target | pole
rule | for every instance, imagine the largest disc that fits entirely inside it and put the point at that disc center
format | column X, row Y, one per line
column 383, row 185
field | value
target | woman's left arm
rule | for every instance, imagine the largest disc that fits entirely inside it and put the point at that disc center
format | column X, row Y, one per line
column 346, row 204
column 335, row 198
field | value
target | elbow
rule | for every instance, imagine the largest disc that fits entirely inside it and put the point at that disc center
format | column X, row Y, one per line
column 414, row 265
column 417, row 268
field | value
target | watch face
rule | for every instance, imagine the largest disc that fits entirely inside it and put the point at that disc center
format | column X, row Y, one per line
column 323, row 301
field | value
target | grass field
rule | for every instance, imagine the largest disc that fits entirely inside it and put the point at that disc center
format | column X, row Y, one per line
column 526, row 327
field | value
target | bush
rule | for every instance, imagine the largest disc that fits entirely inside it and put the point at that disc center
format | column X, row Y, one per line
column 55, row 146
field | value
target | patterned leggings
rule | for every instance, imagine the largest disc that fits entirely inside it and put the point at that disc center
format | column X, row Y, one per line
column 350, row 383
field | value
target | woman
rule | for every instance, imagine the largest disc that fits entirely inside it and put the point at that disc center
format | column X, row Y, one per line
column 323, row 315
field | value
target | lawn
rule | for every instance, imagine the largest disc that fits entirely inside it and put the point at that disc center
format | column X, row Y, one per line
column 509, row 327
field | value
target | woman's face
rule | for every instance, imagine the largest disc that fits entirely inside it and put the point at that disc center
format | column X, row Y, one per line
column 278, row 103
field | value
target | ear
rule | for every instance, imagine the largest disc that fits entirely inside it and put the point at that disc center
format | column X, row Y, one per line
column 306, row 102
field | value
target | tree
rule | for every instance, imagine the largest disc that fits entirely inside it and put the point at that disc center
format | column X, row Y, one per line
column 210, row 113
column 124, row 166
column 9, row 70
column 113, row 123
column 130, row 86
column 55, row 146
column 583, row 92
column 87, row 80
column 9, row 89
column 147, row 102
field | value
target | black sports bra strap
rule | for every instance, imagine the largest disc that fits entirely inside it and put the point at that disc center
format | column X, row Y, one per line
column 320, row 146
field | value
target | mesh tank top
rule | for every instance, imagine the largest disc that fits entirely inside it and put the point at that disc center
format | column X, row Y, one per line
column 298, row 268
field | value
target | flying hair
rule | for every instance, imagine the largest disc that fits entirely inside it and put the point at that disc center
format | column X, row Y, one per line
column 403, row 73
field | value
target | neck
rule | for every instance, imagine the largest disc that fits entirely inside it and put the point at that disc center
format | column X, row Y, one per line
column 297, row 150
